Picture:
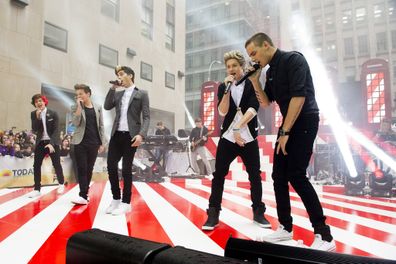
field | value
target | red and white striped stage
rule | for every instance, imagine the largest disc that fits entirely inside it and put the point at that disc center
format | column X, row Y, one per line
column 36, row 230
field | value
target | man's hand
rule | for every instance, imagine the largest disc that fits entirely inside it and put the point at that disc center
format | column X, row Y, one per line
column 204, row 138
column 282, row 144
column 50, row 148
column 101, row 149
column 238, row 139
column 38, row 113
column 136, row 141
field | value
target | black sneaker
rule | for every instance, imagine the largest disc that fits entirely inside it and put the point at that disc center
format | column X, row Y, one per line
column 213, row 219
column 259, row 218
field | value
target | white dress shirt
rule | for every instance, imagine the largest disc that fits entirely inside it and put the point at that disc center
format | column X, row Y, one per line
column 236, row 95
column 123, row 126
column 43, row 116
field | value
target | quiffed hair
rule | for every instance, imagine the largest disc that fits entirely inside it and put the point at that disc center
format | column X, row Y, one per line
column 235, row 54
column 126, row 69
column 83, row 87
column 39, row 96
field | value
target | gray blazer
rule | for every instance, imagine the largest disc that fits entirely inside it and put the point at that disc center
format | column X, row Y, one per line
column 80, row 122
column 139, row 106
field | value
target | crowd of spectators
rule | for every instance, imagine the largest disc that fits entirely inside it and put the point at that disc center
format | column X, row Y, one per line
column 21, row 144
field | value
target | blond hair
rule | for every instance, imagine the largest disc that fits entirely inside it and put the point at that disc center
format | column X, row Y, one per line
column 235, row 54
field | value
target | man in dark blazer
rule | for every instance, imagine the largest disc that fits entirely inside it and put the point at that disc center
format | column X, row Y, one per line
column 131, row 105
column 45, row 124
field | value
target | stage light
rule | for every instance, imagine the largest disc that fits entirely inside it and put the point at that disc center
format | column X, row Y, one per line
column 381, row 183
column 355, row 185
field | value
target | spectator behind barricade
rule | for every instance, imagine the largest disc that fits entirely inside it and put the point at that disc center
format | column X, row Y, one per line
column 65, row 148
column 17, row 151
column 27, row 151
column 385, row 133
column 6, row 148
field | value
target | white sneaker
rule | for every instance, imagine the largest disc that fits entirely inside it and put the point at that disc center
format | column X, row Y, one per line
column 279, row 235
column 79, row 200
column 113, row 205
column 123, row 208
column 320, row 244
column 34, row 194
column 61, row 189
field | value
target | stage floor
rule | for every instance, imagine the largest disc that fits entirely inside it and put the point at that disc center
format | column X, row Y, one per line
column 37, row 230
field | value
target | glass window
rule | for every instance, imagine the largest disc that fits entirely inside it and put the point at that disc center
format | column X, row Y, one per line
column 146, row 71
column 317, row 22
column 363, row 46
column 331, row 52
column 347, row 18
column 392, row 9
column 393, row 36
column 108, row 56
column 169, row 80
column 360, row 15
column 170, row 27
column 348, row 46
column 147, row 19
column 379, row 12
column 55, row 37
column 330, row 22
column 381, row 42
column 111, row 8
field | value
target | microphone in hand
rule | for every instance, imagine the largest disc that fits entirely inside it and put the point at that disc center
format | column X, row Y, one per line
column 228, row 86
column 248, row 74
column 115, row 82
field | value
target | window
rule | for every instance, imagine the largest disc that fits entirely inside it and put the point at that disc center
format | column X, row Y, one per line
column 379, row 13
column 317, row 22
column 392, row 9
column 169, row 80
column 330, row 22
column 360, row 15
column 363, row 45
column 55, row 37
column 147, row 19
column 170, row 26
column 347, row 18
column 348, row 46
column 393, row 36
column 381, row 42
column 146, row 71
column 107, row 56
column 111, row 8
column 331, row 51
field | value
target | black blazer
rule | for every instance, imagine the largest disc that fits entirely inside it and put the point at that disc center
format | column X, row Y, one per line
column 248, row 100
column 52, row 123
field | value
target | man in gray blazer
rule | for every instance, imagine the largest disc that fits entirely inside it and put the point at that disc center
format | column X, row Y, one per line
column 131, row 105
column 88, row 138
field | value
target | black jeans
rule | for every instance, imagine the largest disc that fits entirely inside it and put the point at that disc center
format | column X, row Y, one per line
column 39, row 155
column 226, row 153
column 292, row 168
column 120, row 147
column 85, row 157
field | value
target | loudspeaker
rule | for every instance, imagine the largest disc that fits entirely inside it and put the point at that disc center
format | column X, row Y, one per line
column 97, row 246
column 262, row 252
column 181, row 255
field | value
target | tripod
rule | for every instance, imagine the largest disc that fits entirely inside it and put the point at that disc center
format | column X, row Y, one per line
column 189, row 158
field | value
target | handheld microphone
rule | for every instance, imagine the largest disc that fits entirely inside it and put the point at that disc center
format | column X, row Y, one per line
column 82, row 105
column 248, row 74
column 228, row 86
column 116, row 82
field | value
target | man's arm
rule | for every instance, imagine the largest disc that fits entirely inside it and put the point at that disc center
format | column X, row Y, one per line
column 224, row 99
column 36, row 123
column 76, row 115
column 258, row 89
column 145, row 114
column 109, row 102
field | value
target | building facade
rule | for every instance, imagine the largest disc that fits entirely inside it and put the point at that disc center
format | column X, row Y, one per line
column 47, row 46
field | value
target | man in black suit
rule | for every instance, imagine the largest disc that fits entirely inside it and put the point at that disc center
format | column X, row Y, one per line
column 45, row 124
column 161, row 152
column 127, row 134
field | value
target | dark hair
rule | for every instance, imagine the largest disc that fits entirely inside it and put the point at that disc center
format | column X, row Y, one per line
column 34, row 98
column 159, row 123
column 258, row 39
column 83, row 87
column 198, row 119
column 126, row 69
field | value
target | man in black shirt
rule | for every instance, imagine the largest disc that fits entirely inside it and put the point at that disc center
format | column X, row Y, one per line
column 88, row 138
column 198, row 139
column 289, row 84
